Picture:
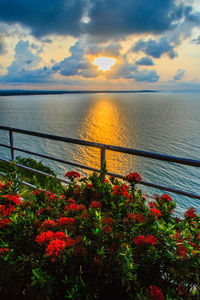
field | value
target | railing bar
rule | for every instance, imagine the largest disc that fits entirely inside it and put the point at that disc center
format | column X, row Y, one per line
column 12, row 151
column 161, row 187
column 158, row 156
column 36, row 171
column 6, row 146
column 58, row 160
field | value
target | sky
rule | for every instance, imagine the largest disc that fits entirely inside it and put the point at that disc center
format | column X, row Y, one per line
column 145, row 44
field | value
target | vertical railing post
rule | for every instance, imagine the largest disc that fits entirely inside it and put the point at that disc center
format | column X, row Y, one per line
column 103, row 157
column 11, row 145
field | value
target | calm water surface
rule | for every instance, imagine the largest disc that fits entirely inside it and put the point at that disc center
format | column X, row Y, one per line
column 167, row 123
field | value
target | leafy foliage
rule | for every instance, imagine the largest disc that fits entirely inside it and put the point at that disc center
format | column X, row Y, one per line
column 97, row 239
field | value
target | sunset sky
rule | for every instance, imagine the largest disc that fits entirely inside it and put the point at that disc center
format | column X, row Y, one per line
column 100, row 44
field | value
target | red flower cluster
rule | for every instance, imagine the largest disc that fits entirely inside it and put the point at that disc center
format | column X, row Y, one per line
column 65, row 221
column 155, row 212
column 6, row 210
column 48, row 223
column 136, row 217
column 95, row 204
column 107, row 220
column 14, row 199
column 120, row 190
column 72, row 175
column 155, row 293
column 107, row 229
column 5, row 222
column 190, row 213
column 142, row 239
column 182, row 251
column 74, row 207
column 133, row 177
column 152, row 204
column 166, row 197
column 44, row 237
column 57, row 245
column 2, row 250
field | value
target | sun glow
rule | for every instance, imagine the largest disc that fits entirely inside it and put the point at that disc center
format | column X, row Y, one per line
column 104, row 63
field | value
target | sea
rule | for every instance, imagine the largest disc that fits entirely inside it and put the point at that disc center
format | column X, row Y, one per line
column 161, row 122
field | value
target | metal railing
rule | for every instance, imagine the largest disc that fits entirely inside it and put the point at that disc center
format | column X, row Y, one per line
column 103, row 148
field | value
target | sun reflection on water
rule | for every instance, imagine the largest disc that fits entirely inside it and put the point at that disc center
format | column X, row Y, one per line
column 105, row 123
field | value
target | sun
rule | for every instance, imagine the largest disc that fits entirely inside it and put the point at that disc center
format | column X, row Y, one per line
column 104, row 63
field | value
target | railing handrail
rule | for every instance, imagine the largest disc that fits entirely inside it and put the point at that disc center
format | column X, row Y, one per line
column 103, row 148
column 153, row 155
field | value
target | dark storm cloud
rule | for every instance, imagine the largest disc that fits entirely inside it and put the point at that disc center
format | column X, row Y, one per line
column 44, row 17
column 113, row 17
column 145, row 61
column 112, row 49
column 179, row 74
column 107, row 18
column 155, row 48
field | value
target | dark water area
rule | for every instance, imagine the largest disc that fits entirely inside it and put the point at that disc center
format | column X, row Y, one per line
column 167, row 123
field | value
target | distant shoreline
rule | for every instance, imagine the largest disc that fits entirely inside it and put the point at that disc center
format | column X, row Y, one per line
column 33, row 92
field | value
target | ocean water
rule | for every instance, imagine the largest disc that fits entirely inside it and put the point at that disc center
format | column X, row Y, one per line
column 167, row 123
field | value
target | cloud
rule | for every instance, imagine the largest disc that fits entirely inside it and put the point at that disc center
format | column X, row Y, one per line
column 112, row 49
column 105, row 18
column 24, row 69
column 155, row 48
column 76, row 63
column 2, row 46
column 179, row 74
column 196, row 41
column 117, row 17
column 146, row 75
column 44, row 17
column 145, row 61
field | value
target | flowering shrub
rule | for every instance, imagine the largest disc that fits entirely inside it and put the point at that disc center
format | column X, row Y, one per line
column 100, row 239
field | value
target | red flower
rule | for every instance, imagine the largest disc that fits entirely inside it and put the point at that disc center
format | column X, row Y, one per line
column 72, row 175
column 60, row 235
column 151, row 239
column 107, row 221
column 55, row 247
column 2, row 250
column 48, row 223
column 95, row 204
column 65, row 220
column 45, row 236
column 155, row 293
column 6, row 210
column 14, row 199
column 133, row 177
column 107, row 229
column 155, row 212
column 142, row 239
column 136, row 217
column 152, row 204
column 182, row 251
column 74, row 207
column 5, row 222
column 190, row 213
column 120, row 190
column 166, row 197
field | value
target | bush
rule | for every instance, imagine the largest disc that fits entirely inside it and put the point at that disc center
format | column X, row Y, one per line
column 100, row 239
